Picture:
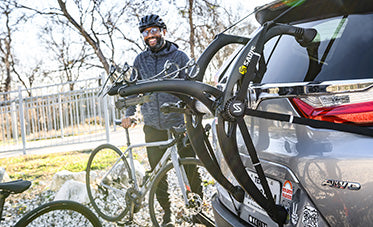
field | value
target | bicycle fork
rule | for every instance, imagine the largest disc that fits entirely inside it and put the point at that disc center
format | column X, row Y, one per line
column 180, row 174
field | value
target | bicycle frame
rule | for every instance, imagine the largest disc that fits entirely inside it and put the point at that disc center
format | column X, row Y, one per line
column 171, row 153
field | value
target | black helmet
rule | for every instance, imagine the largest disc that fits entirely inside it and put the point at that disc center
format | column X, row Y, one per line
column 150, row 21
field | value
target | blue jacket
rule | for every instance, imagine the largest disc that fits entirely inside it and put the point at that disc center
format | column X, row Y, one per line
column 148, row 64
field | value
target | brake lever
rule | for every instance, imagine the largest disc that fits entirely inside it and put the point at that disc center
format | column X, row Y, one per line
column 111, row 72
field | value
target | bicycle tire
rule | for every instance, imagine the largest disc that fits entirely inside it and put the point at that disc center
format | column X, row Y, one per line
column 43, row 215
column 110, row 204
column 180, row 214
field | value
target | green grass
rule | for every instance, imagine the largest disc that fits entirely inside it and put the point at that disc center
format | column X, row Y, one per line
column 40, row 169
column 43, row 167
column 104, row 158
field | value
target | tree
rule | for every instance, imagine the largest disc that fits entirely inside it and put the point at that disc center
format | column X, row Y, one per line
column 5, row 48
column 109, row 28
column 102, row 33
column 12, row 70
column 6, row 42
column 94, row 42
column 205, row 19
column 101, row 25
column 68, row 51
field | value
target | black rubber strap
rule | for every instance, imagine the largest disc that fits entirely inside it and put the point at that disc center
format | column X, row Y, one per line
column 275, row 214
column 196, row 137
column 365, row 131
column 229, row 149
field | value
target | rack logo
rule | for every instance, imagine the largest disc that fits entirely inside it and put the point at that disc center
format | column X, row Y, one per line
column 237, row 108
column 250, row 56
column 287, row 190
column 243, row 68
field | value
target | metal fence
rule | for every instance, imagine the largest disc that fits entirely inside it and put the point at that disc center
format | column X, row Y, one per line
column 54, row 115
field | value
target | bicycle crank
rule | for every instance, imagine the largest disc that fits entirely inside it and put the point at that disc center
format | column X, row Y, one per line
column 133, row 199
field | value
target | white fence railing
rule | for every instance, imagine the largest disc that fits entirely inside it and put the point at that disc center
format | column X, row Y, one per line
column 54, row 115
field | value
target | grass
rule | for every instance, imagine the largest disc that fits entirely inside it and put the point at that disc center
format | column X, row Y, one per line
column 103, row 159
column 42, row 167
column 37, row 168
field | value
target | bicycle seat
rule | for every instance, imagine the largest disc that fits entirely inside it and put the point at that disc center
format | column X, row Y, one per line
column 17, row 186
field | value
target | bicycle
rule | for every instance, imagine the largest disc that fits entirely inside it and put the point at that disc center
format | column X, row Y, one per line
column 116, row 191
column 56, row 213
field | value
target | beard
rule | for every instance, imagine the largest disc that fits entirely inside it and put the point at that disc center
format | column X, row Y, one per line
column 158, row 46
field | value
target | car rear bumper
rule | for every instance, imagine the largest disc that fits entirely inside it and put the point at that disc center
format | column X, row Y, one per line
column 224, row 217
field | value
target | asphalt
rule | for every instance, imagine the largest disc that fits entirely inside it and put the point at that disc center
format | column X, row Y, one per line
column 116, row 137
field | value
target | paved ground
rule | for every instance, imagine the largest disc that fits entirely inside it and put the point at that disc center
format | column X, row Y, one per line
column 117, row 138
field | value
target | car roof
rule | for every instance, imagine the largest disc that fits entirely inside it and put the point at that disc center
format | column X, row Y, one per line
column 309, row 10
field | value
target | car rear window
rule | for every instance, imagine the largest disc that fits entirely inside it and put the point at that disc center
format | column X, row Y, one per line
column 342, row 50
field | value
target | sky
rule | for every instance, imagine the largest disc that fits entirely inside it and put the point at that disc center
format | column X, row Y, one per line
column 31, row 40
column 28, row 47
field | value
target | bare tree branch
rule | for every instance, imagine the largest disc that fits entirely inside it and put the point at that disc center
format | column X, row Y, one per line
column 21, row 6
column 94, row 44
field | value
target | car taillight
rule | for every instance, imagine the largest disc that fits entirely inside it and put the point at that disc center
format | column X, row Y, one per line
column 349, row 109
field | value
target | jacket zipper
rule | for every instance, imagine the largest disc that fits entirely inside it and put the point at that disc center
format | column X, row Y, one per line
column 156, row 96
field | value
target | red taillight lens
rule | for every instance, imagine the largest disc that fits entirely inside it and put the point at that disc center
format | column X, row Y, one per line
column 356, row 113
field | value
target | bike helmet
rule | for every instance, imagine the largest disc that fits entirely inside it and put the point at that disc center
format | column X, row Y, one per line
column 151, row 20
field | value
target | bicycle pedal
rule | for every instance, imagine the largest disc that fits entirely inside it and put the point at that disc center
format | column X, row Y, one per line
column 121, row 223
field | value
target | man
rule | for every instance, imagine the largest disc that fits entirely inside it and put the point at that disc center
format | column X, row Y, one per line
column 149, row 63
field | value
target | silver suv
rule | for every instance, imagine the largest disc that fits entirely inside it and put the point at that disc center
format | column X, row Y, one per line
column 318, row 170
column 292, row 139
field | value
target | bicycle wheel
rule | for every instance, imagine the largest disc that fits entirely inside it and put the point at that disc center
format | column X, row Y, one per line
column 60, row 213
column 199, row 210
column 108, row 177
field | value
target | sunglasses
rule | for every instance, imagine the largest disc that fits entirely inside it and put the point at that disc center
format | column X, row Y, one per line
column 152, row 31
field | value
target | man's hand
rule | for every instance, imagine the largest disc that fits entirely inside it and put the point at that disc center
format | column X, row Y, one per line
column 128, row 122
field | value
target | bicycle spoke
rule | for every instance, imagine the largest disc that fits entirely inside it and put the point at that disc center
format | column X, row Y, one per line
column 61, row 218
column 109, row 183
